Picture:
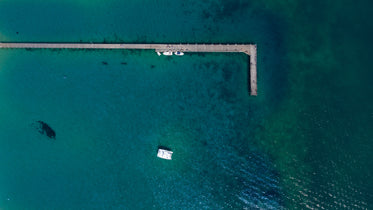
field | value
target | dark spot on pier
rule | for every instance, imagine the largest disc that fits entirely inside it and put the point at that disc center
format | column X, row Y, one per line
column 152, row 66
column 104, row 63
column 45, row 129
column 123, row 63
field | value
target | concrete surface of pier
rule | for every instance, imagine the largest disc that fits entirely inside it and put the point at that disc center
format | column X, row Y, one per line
column 249, row 49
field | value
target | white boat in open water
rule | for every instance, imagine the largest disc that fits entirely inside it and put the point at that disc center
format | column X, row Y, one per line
column 168, row 53
column 165, row 154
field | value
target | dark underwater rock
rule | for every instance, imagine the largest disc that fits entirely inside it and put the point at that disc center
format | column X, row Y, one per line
column 45, row 129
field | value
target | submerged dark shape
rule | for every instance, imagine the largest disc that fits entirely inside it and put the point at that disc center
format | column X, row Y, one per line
column 45, row 129
column 272, row 193
column 104, row 62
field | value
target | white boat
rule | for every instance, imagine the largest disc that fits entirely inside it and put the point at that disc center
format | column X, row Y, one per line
column 164, row 154
column 168, row 53
column 179, row 53
column 158, row 53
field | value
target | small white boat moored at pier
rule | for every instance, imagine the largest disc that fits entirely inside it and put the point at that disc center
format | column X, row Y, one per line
column 158, row 53
column 179, row 53
column 165, row 154
column 168, row 53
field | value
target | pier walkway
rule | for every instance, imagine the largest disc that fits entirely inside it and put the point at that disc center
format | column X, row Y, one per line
column 249, row 49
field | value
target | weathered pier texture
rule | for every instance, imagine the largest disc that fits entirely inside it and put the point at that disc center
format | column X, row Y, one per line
column 248, row 49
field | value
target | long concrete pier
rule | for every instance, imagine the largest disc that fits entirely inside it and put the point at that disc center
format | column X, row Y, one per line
column 249, row 49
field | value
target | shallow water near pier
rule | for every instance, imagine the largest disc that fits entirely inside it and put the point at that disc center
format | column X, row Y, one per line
column 303, row 142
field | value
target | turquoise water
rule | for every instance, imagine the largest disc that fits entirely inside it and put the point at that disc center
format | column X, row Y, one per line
column 303, row 142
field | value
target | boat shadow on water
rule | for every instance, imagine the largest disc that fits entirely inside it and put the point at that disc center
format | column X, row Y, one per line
column 163, row 147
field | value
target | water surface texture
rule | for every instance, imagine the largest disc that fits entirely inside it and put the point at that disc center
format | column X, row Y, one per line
column 303, row 142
